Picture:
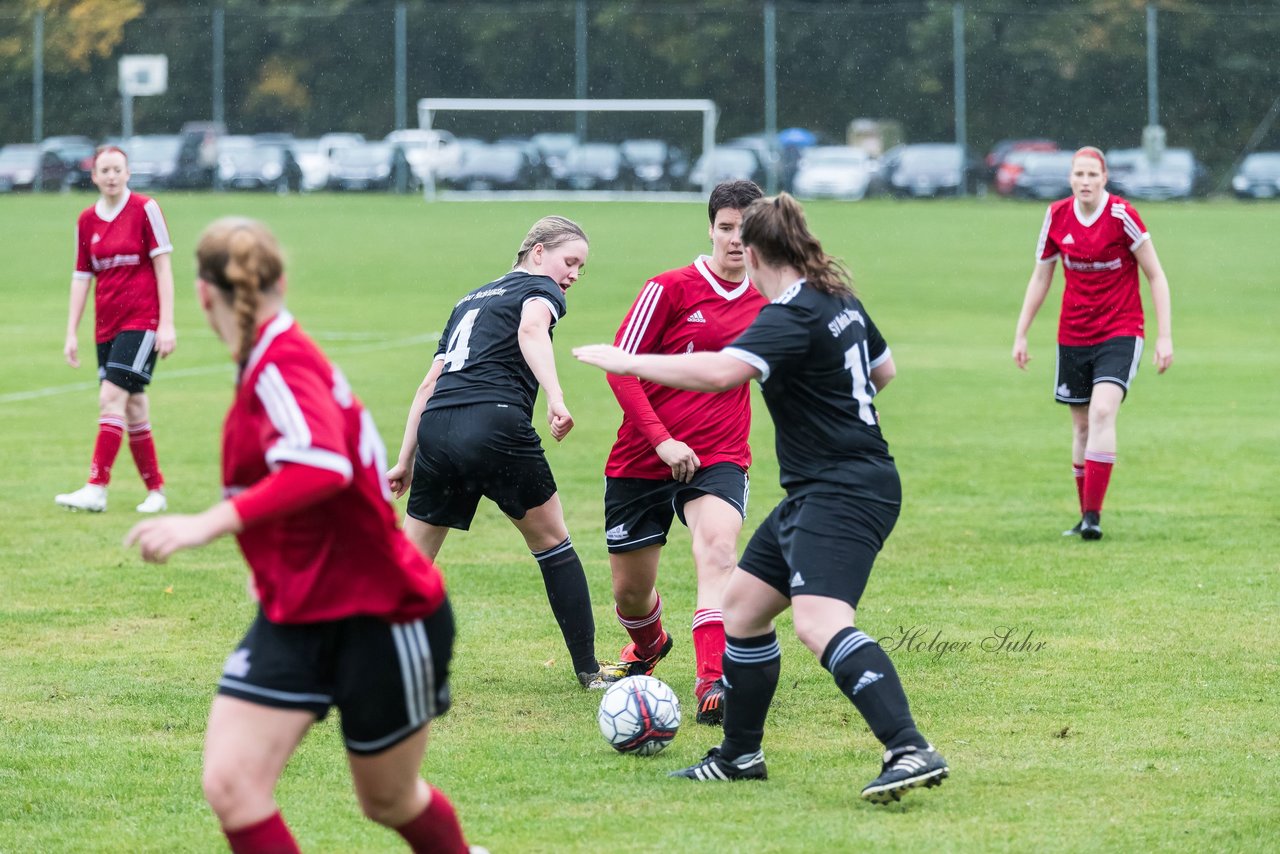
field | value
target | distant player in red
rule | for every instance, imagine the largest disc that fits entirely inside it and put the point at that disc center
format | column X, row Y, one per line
column 682, row 452
column 123, row 242
column 1102, row 243
column 351, row 614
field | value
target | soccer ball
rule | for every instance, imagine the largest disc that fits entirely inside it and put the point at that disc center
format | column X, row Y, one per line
column 639, row 714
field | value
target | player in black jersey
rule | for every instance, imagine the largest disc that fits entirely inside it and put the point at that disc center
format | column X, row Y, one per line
column 820, row 360
column 469, row 433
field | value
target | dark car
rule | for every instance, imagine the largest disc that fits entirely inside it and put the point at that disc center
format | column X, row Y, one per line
column 153, row 160
column 198, row 155
column 27, row 167
column 592, row 166
column 1044, row 175
column 1258, row 176
column 1000, row 152
column 368, row 166
column 935, row 169
column 553, row 148
column 1177, row 174
column 245, row 165
column 76, row 154
column 499, row 166
column 652, row 164
column 725, row 164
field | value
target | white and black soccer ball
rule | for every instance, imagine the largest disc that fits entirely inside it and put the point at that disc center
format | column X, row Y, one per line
column 639, row 714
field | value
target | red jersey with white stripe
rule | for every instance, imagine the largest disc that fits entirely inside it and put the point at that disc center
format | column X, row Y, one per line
column 683, row 311
column 1101, row 298
column 117, row 245
column 344, row 555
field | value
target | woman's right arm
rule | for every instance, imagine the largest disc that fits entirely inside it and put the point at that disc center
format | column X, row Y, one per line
column 1037, row 289
column 400, row 474
column 79, row 297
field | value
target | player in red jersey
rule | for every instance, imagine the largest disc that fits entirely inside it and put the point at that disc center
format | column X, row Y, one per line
column 123, row 242
column 1102, row 243
column 351, row 614
column 683, row 452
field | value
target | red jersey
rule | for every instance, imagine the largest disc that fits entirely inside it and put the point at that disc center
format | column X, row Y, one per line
column 683, row 311
column 344, row 555
column 117, row 245
column 1101, row 298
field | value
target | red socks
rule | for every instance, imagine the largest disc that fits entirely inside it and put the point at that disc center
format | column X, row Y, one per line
column 110, row 435
column 144, row 455
column 708, row 647
column 1078, row 472
column 646, row 631
column 1097, row 475
column 269, row 836
column 435, row 829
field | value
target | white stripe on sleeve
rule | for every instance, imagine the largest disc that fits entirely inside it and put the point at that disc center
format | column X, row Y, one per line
column 159, row 229
column 1044, row 235
column 282, row 408
column 751, row 359
column 646, row 304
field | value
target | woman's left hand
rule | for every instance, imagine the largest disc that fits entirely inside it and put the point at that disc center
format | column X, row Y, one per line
column 166, row 340
column 559, row 418
column 158, row 538
column 1163, row 355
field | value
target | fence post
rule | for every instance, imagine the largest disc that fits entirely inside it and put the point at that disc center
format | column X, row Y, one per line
column 402, row 85
column 957, row 49
column 37, row 81
column 219, row 48
column 771, row 94
column 1153, row 92
column 580, row 66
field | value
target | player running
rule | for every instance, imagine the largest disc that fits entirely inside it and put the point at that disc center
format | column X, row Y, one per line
column 351, row 615
column 1102, row 243
column 682, row 453
column 819, row 360
column 469, row 433
column 122, row 241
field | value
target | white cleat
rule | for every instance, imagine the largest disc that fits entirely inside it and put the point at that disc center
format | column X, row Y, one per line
column 91, row 497
column 155, row 502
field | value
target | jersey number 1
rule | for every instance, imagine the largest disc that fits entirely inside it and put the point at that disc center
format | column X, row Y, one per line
column 855, row 361
column 455, row 355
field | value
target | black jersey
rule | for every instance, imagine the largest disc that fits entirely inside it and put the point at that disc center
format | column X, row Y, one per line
column 480, row 345
column 815, row 352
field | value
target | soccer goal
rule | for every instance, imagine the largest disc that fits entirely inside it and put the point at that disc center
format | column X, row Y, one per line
column 429, row 108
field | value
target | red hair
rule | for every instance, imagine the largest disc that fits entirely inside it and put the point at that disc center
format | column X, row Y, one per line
column 107, row 149
column 1090, row 151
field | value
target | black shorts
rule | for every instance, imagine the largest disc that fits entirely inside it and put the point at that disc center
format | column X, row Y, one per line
column 128, row 359
column 388, row 680
column 483, row 449
column 818, row 544
column 638, row 511
column 1081, row 368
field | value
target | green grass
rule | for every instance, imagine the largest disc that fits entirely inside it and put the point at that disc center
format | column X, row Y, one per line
column 1147, row 721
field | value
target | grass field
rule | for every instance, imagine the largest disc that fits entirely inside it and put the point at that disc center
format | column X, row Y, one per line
column 1145, row 720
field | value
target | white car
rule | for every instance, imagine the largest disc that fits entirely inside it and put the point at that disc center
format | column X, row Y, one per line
column 834, row 172
column 430, row 153
column 315, row 156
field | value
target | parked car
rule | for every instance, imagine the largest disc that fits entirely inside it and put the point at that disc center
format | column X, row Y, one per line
column 553, row 147
column 1176, row 175
column 935, row 169
column 1044, row 175
column 833, row 171
column 652, row 164
column 497, row 166
column 725, row 164
column 369, row 166
column 153, row 160
column 243, row 164
column 73, row 151
column 593, row 166
column 1001, row 151
column 24, row 165
column 198, row 154
column 429, row 152
column 1258, row 176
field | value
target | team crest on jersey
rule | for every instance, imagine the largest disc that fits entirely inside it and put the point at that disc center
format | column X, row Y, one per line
column 96, row 238
column 696, row 317
column 1068, row 240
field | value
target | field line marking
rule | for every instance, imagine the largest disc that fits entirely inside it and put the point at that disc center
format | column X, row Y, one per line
column 370, row 347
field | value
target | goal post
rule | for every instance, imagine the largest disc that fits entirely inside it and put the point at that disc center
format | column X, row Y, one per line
column 428, row 107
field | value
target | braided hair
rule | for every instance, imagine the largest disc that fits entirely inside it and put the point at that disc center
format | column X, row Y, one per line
column 241, row 258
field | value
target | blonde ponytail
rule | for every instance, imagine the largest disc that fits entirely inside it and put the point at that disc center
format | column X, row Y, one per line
column 242, row 259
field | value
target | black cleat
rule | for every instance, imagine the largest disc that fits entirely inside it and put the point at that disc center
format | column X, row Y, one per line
column 1089, row 528
column 1074, row 531
column 711, row 705
column 714, row 767
column 906, row 768
column 633, row 665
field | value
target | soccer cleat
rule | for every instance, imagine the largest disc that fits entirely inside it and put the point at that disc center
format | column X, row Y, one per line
column 634, row 665
column 602, row 678
column 155, row 502
column 711, row 705
column 714, row 767
column 91, row 497
column 1074, row 531
column 1089, row 527
column 906, row 768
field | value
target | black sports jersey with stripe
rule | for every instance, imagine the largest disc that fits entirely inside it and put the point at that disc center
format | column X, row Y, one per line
column 815, row 352
column 480, row 345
